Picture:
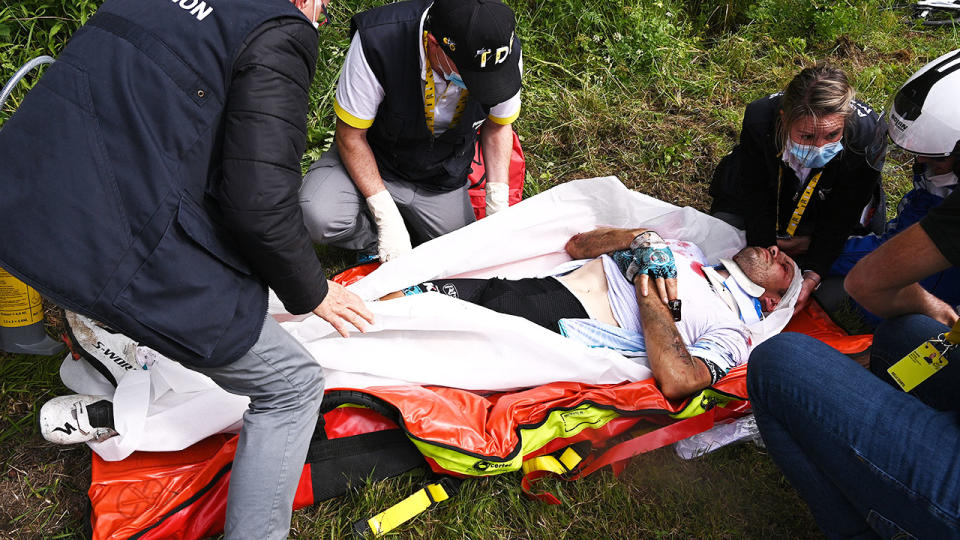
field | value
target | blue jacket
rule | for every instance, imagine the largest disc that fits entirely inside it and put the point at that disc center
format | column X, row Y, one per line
column 113, row 201
column 914, row 206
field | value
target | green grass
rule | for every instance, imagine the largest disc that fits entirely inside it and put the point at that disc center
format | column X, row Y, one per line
column 651, row 91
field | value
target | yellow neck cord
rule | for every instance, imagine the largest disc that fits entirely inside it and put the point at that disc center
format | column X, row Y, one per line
column 801, row 204
column 430, row 94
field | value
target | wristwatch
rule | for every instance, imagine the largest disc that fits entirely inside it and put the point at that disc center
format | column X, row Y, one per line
column 811, row 273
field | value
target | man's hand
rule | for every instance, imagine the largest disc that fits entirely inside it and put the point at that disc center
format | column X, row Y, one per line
column 393, row 239
column 343, row 309
column 654, row 260
column 885, row 281
column 357, row 156
column 498, row 197
column 809, row 284
column 496, row 144
column 795, row 245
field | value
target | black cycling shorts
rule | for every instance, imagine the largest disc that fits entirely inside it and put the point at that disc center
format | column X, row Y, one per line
column 543, row 301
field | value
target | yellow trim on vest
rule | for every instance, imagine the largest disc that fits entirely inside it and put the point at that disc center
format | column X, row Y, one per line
column 407, row 509
column 350, row 119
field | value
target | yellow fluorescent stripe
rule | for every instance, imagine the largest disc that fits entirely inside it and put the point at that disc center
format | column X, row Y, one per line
column 350, row 119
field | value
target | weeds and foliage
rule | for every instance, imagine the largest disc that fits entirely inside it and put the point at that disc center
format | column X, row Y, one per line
column 652, row 91
column 735, row 493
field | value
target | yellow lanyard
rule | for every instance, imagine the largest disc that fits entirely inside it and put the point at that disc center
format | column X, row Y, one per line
column 953, row 336
column 801, row 204
column 430, row 94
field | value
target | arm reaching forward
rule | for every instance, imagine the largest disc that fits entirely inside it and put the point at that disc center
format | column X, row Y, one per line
column 885, row 281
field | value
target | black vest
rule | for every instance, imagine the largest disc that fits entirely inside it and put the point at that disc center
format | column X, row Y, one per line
column 403, row 146
column 104, row 170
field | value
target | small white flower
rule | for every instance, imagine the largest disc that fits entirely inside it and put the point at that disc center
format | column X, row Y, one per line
column 617, row 36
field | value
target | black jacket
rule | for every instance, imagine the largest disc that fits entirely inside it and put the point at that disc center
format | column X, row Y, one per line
column 403, row 146
column 150, row 178
column 264, row 136
column 746, row 184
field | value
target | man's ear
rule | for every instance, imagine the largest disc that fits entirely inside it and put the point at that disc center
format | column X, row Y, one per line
column 768, row 302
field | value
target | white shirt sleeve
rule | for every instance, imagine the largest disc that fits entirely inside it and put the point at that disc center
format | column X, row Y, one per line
column 359, row 93
column 508, row 111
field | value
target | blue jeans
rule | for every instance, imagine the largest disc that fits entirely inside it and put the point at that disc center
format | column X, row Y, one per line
column 870, row 460
column 285, row 386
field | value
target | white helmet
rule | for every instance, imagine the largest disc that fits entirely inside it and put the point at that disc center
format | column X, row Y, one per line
column 925, row 115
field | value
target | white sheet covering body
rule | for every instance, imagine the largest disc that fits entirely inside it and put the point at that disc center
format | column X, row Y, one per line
column 430, row 338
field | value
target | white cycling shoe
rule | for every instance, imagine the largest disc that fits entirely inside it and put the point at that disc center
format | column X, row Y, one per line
column 70, row 419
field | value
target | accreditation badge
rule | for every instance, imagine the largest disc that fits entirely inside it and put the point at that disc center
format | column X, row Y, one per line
column 924, row 361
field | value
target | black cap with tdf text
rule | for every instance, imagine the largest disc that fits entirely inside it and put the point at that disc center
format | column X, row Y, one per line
column 479, row 36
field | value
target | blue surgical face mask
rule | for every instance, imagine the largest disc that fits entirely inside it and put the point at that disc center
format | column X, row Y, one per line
column 815, row 157
column 455, row 79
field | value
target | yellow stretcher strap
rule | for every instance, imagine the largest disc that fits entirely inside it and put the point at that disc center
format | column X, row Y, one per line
column 566, row 462
column 407, row 509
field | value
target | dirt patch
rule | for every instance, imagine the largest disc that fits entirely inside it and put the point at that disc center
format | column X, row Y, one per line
column 43, row 488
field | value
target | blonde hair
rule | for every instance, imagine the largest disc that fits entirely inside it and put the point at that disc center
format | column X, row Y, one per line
column 815, row 92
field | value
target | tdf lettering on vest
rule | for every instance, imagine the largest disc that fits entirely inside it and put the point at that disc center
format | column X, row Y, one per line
column 197, row 8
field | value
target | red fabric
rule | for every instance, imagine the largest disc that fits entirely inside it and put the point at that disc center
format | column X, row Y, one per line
column 657, row 438
column 347, row 421
column 478, row 178
column 815, row 322
column 353, row 274
column 131, row 495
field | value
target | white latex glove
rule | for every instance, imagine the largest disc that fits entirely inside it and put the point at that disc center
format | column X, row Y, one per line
column 498, row 197
column 393, row 239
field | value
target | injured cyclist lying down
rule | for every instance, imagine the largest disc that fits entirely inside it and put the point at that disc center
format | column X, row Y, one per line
column 605, row 302
column 580, row 320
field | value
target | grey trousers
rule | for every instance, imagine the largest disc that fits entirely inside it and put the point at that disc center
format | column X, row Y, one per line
column 335, row 212
column 285, row 386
